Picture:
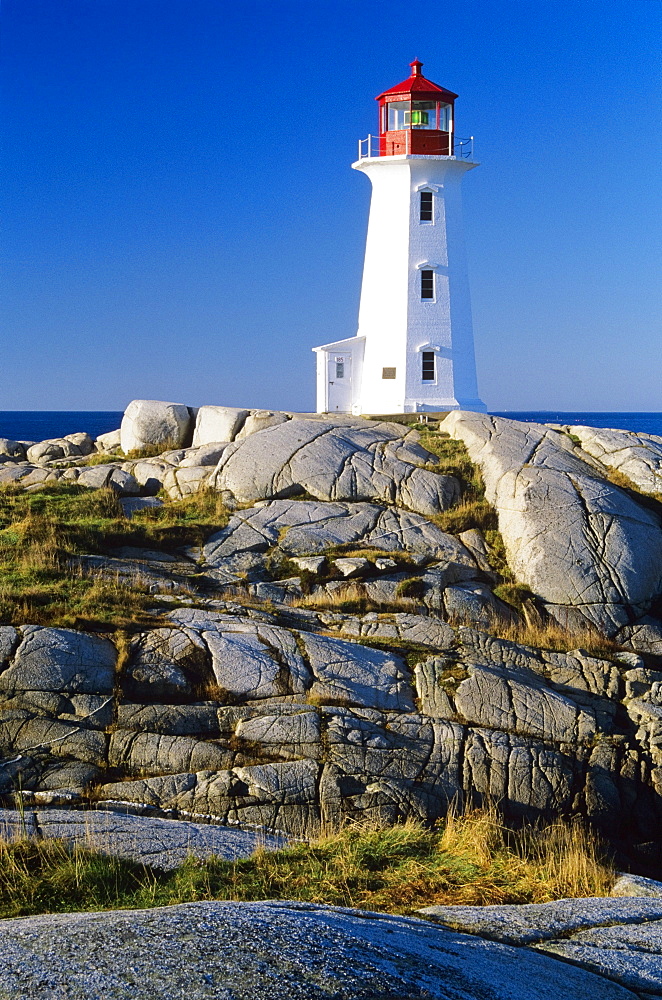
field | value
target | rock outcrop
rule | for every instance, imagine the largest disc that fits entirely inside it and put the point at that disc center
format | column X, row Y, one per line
column 615, row 938
column 394, row 700
column 289, row 718
column 637, row 456
column 334, row 463
column 264, row 951
column 585, row 546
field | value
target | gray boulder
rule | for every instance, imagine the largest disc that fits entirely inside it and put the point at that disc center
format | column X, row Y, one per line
column 53, row 449
column 355, row 566
column 333, row 463
column 149, row 473
column 82, row 441
column 55, row 659
column 590, row 551
column 217, row 423
column 149, row 422
column 97, row 477
column 11, row 450
column 260, row 420
column 182, row 482
column 109, row 442
column 207, row 454
column 637, row 456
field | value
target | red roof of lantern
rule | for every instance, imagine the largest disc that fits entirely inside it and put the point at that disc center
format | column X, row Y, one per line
column 417, row 84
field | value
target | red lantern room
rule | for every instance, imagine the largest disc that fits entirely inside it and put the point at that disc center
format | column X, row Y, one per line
column 416, row 116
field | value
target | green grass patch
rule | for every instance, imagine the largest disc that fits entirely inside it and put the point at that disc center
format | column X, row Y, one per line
column 515, row 594
column 42, row 532
column 413, row 588
column 473, row 510
column 473, row 859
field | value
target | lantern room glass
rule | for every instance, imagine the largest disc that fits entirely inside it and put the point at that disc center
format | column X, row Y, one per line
column 423, row 114
column 417, row 114
column 398, row 115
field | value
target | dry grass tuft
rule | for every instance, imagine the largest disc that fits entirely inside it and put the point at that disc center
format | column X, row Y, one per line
column 43, row 531
column 474, row 858
column 551, row 635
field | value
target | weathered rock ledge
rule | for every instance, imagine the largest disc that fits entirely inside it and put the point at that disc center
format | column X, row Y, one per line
column 281, row 716
column 263, row 951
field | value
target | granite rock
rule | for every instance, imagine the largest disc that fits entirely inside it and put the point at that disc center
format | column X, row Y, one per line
column 214, row 424
column 149, row 422
column 332, row 463
column 263, row 951
column 585, row 546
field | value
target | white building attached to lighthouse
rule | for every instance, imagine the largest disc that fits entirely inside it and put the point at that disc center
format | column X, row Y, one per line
column 414, row 350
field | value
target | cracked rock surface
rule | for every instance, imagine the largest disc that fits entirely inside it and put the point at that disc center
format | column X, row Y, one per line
column 620, row 939
column 334, row 463
column 264, row 951
column 247, row 702
column 284, row 719
column 638, row 456
column 585, row 546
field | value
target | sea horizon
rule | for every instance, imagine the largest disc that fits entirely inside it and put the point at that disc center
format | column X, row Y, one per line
column 39, row 425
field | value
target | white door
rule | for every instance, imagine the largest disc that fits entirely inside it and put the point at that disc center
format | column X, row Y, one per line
column 339, row 396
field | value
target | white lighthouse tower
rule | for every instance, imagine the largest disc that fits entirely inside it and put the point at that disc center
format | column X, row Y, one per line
column 414, row 350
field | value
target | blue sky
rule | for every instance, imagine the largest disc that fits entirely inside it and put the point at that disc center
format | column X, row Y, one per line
column 181, row 220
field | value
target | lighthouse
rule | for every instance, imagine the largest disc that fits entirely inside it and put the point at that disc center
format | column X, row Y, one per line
column 413, row 351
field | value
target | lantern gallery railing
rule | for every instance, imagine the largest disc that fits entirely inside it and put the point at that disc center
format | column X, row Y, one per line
column 376, row 145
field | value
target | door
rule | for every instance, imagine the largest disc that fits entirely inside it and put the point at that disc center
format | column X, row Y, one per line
column 339, row 396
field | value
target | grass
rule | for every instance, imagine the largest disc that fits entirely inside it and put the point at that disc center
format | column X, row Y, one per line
column 351, row 598
column 471, row 859
column 152, row 450
column 102, row 458
column 42, row 532
column 550, row 635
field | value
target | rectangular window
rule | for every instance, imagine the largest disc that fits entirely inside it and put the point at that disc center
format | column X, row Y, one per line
column 340, row 369
column 427, row 284
column 427, row 360
column 425, row 211
column 398, row 115
column 444, row 117
column 423, row 114
column 388, row 372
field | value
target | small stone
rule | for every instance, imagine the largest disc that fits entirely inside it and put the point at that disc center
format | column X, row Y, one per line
column 310, row 564
column 636, row 885
column 352, row 566
column 109, row 442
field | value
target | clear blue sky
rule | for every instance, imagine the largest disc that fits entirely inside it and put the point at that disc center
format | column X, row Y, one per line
column 181, row 220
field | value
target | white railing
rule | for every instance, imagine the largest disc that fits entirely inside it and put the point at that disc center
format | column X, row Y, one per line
column 369, row 148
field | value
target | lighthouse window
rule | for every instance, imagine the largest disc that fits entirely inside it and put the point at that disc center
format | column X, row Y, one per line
column 340, row 369
column 423, row 114
column 398, row 115
column 427, row 284
column 425, row 214
column 444, row 117
column 427, row 373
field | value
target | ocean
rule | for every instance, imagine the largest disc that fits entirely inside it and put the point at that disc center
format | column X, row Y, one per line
column 37, row 425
